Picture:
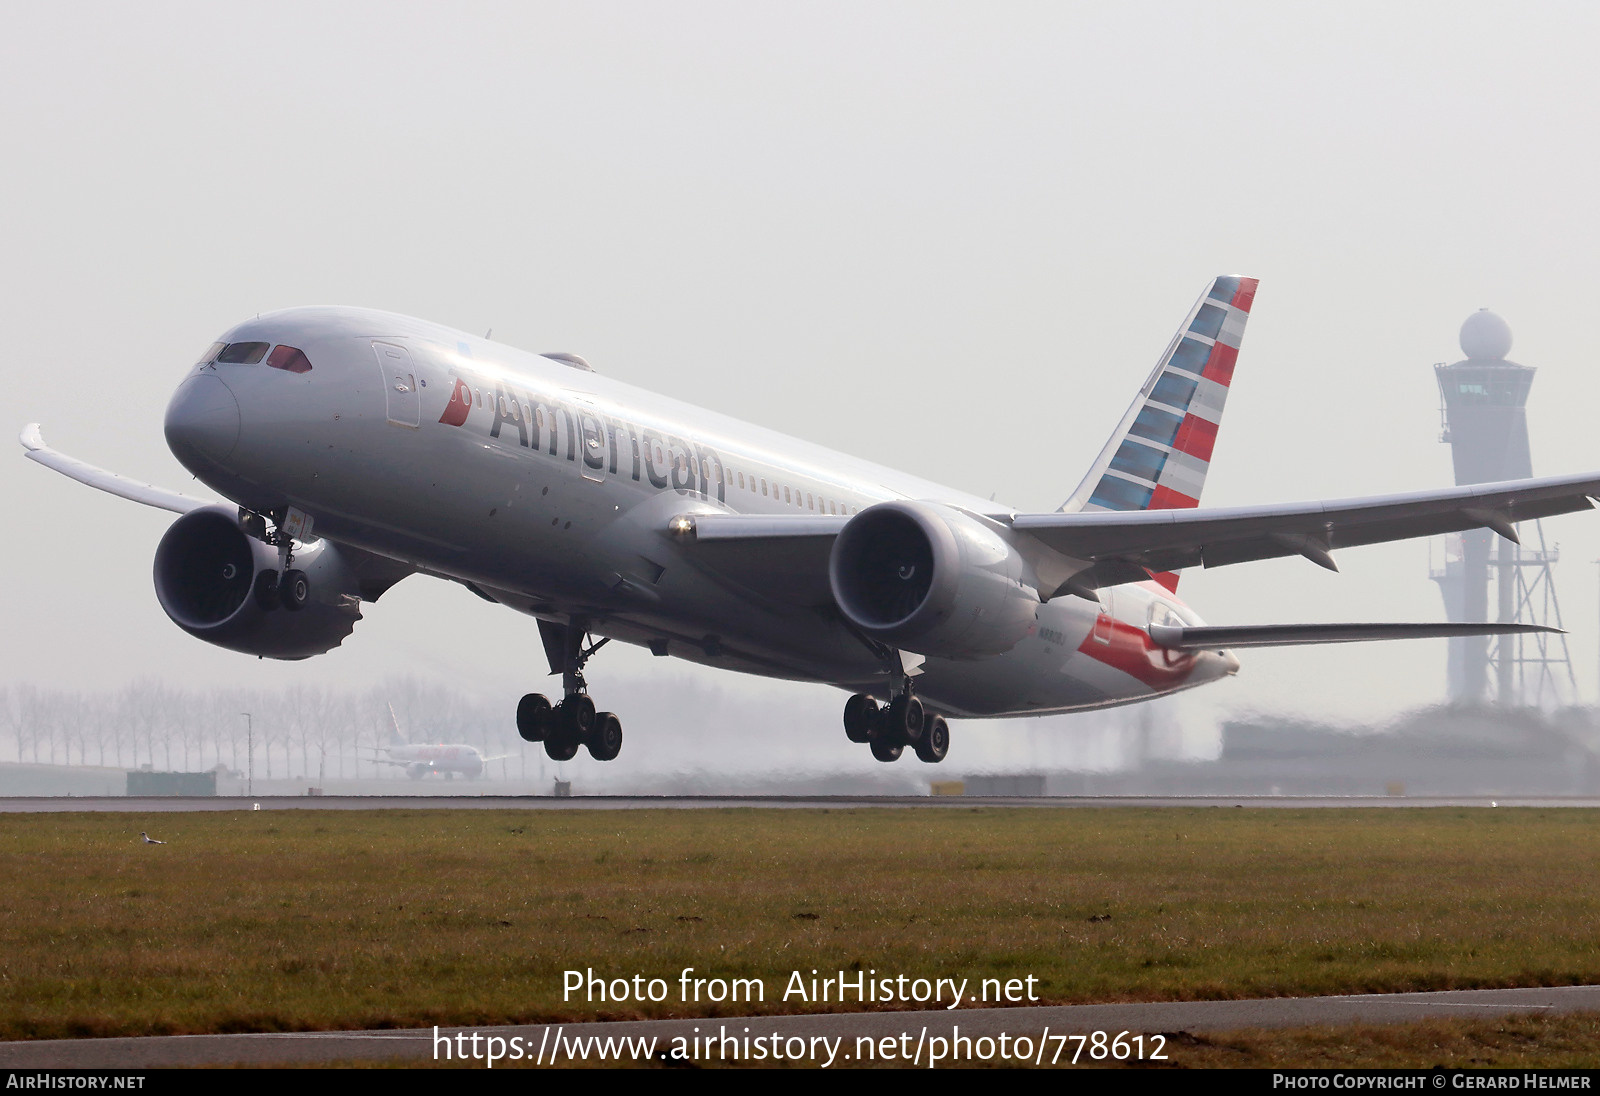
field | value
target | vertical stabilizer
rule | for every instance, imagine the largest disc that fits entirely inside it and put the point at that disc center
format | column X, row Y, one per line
column 1159, row 455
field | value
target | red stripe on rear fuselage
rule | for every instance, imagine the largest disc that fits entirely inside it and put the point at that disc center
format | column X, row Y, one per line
column 1132, row 652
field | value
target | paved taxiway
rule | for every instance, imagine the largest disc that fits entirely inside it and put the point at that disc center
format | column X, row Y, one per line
column 142, row 804
column 1168, row 1017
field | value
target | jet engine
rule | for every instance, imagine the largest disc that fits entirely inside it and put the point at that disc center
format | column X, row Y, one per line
column 931, row 579
column 206, row 580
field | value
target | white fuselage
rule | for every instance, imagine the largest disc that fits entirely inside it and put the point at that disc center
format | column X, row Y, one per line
column 547, row 488
column 446, row 758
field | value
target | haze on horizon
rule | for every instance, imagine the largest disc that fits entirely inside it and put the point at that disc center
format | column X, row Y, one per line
column 946, row 238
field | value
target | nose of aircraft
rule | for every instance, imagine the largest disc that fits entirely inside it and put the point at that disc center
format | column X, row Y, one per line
column 202, row 420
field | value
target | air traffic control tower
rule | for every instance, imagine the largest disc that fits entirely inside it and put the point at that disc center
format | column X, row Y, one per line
column 1484, row 402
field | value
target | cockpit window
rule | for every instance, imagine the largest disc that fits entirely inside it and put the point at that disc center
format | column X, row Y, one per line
column 211, row 353
column 242, row 353
column 290, row 358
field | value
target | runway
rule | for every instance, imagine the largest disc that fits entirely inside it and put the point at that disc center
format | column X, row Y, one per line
column 149, row 804
column 1041, row 1024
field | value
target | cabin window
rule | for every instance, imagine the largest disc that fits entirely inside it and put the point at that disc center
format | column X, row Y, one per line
column 741, row 481
column 242, row 353
column 763, row 486
column 289, row 358
column 811, row 502
column 786, row 497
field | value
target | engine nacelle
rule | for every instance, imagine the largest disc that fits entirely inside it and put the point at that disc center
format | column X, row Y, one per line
column 205, row 574
column 930, row 579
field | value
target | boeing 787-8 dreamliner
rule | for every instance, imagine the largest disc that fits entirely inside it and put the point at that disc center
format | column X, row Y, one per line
column 358, row 447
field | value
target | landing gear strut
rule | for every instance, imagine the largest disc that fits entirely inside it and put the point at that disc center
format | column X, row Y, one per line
column 573, row 721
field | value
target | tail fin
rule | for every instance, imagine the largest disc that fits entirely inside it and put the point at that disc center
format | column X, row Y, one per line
column 1159, row 455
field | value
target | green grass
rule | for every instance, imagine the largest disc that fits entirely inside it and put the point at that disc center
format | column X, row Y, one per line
column 291, row 920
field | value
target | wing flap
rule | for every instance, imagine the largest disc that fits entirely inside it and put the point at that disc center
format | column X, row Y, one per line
column 1292, row 635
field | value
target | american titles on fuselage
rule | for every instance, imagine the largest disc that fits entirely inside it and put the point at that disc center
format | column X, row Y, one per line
column 566, row 428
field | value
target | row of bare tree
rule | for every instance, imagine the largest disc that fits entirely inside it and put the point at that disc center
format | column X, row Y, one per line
column 302, row 730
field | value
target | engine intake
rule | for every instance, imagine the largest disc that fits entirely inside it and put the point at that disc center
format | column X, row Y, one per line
column 205, row 572
column 931, row 579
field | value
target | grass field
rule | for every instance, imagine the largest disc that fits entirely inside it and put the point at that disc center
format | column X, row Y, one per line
column 291, row 920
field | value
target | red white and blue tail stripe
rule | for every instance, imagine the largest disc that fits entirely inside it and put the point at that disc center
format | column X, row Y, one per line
column 1161, row 451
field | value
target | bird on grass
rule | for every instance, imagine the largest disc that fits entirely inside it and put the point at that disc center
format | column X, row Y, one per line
column 148, row 840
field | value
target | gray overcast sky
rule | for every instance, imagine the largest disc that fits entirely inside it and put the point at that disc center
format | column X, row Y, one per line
column 949, row 237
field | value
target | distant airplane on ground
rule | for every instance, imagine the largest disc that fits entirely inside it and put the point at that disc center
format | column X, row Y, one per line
column 603, row 510
column 419, row 761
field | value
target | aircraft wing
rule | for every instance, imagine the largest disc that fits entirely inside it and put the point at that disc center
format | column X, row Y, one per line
column 98, row 478
column 1117, row 546
column 782, row 557
column 1121, row 544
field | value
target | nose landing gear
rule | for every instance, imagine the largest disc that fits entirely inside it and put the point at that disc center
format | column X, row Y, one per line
column 287, row 587
column 573, row 721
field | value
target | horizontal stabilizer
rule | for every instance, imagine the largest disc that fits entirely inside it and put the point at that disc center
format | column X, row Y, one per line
column 1289, row 635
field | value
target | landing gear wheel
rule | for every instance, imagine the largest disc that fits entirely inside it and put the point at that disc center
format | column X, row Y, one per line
column 605, row 737
column 533, row 717
column 911, row 720
column 860, row 714
column 265, row 590
column 295, row 590
column 934, row 744
column 885, row 751
column 578, row 711
column 569, row 727
column 901, row 722
column 560, row 747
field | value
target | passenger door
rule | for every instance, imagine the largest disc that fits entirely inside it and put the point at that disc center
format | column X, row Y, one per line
column 399, row 384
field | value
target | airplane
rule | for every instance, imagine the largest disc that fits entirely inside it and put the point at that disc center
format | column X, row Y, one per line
column 445, row 758
column 420, row 760
column 358, row 447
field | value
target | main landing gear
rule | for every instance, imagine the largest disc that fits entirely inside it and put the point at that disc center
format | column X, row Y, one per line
column 888, row 730
column 573, row 721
